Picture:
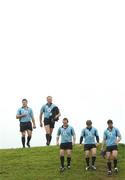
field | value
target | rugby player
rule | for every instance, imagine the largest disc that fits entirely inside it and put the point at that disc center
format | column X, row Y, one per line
column 66, row 132
column 89, row 134
column 25, row 116
column 51, row 114
column 111, row 138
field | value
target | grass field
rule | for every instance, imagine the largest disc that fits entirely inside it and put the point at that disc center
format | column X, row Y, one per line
column 42, row 163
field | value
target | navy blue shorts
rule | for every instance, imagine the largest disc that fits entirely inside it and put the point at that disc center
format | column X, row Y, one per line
column 66, row 146
column 111, row 148
column 88, row 147
column 24, row 126
column 49, row 122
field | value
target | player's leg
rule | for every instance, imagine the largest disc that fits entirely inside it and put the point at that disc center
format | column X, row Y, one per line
column 52, row 124
column 47, row 129
column 29, row 133
column 93, row 153
column 69, row 152
column 23, row 133
column 51, row 131
column 115, row 155
column 109, row 164
column 23, row 138
column 87, row 157
column 62, row 153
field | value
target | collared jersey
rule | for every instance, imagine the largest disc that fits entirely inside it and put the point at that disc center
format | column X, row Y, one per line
column 46, row 109
column 89, row 135
column 110, row 136
column 66, row 134
column 27, row 111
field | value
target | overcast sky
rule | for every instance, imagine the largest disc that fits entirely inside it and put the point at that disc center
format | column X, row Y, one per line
column 71, row 50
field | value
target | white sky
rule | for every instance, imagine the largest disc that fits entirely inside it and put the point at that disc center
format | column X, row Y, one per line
column 72, row 50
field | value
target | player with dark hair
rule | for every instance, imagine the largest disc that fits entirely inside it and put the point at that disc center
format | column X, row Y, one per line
column 111, row 138
column 66, row 132
column 89, row 134
column 25, row 116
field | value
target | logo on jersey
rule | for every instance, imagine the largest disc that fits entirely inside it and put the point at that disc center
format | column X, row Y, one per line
column 49, row 110
column 89, row 134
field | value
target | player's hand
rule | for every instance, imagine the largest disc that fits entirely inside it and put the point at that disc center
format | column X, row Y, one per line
column 57, row 143
column 24, row 115
column 41, row 124
column 73, row 143
column 117, row 142
column 34, row 126
column 56, row 117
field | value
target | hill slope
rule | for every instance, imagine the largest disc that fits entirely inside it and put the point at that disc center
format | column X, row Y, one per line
column 42, row 163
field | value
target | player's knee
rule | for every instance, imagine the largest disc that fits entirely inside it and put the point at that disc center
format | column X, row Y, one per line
column 108, row 157
column 61, row 153
column 94, row 153
column 23, row 134
column 114, row 156
column 69, row 154
column 87, row 155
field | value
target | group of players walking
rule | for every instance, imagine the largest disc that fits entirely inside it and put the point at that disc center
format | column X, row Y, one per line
column 51, row 112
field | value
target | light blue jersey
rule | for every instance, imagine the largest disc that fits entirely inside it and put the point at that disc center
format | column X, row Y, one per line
column 66, row 134
column 46, row 109
column 28, row 112
column 89, row 135
column 110, row 136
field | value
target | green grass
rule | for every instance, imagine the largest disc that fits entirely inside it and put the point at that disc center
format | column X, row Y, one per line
column 42, row 163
